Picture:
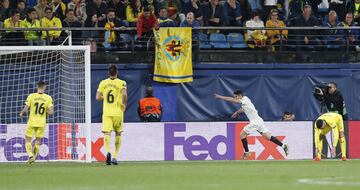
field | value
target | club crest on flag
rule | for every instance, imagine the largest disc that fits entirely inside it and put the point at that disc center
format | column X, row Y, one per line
column 173, row 46
column 173, row 55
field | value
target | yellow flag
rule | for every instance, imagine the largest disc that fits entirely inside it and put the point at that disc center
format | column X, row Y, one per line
column 173, row 57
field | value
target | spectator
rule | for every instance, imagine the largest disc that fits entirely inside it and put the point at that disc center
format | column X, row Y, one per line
column 79, row 8
column 133, row 11
column 333, row 99
column 40, row 8
column 5, row 10
column 72, row 22
column 113, row 26
column 288, row 116
column 97, row 7
column 213, row 14
column 354, row 8
column 120, row 8
column 191, row 22
column 351, row 35
column 255, row 38
column 31, row 21
column 150, row 109
column 13, row 37
column 274, row 36
column 268, row 6
column 174, row 9
column 255, row 4
column 30, row 3
column 153, row 5
column 146, row 23
column 339, row 6
column 163, row 19
column 305, row 38
column 21, row 8
column 59, row 8
column 232, row 13
column 296, row 7
column 195, row 7
column 332, row 37
column 51, row 21
column 246, row 10
column 91, row 37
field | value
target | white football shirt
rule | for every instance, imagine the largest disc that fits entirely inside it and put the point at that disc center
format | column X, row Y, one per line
column 249, row 109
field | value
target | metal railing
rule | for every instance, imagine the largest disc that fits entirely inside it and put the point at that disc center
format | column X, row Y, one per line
column 319, row 38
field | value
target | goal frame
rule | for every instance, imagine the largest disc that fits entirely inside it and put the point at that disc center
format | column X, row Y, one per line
column 87, row 60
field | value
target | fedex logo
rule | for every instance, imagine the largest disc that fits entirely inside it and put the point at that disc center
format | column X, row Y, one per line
column 197, row 147
column 61, row 142
column 13, row 145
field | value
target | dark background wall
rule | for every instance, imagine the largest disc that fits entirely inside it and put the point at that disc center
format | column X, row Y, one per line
column 273, row 89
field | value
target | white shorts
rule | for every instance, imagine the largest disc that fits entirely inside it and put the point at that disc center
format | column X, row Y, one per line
column 258, row 126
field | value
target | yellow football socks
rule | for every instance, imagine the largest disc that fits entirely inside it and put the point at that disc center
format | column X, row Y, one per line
column 319, row 146
column 36, row 149
column 107, row 143
column 343, row 146
column 117, row 146
column 29, row 150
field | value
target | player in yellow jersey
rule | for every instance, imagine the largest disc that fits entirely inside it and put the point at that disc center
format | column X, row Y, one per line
column 112, row 92
column 40, row 105
column 324, row 124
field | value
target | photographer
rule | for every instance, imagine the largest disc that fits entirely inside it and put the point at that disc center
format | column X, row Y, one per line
column 331, row 98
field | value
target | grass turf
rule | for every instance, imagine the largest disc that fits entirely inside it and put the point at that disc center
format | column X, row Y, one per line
column 184, row 175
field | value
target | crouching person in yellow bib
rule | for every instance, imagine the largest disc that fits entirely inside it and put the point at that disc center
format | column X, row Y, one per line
column 323, row 125
column 40, row 105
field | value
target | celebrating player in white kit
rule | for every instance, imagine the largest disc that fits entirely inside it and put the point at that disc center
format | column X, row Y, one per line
column 256, row 122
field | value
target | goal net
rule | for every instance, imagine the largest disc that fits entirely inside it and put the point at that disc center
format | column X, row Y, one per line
column 66, row 72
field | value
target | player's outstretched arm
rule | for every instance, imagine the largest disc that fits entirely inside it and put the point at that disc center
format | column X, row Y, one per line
column 236, row 114
column 50, row 110
column 99, row 96
column 24, row 110
column 226, row 98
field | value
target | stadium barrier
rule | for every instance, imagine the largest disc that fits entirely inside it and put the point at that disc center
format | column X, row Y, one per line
column 173, row 141
column 204, row 38
column 165, row 141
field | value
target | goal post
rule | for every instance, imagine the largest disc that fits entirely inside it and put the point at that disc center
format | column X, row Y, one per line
column 67, row 73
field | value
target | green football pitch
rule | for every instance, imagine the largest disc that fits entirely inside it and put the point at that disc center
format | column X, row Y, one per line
column 183, row 175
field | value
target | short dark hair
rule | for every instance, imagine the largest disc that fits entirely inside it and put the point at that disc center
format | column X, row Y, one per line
column 149, row 91
column 69, row 10
column 146, row 9
column 113, row 70
column 41, row 84
column 30, row 10
column 319, row 123
column 306, row 5
column 21, row 1
column 255, row 13
column 48, row 8
column 238, row 92
column 333, row 83
column 15, row 11
column 110, row 10
column 288, row 113
column 161, row 8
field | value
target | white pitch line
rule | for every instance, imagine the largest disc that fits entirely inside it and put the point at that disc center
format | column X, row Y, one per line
column 330, row 181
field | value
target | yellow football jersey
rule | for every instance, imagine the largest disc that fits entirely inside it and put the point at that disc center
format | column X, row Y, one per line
column 39, row 105
column 332, row 119
column 111, row 90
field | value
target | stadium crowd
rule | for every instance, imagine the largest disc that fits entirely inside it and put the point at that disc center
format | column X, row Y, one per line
column 148, row 14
